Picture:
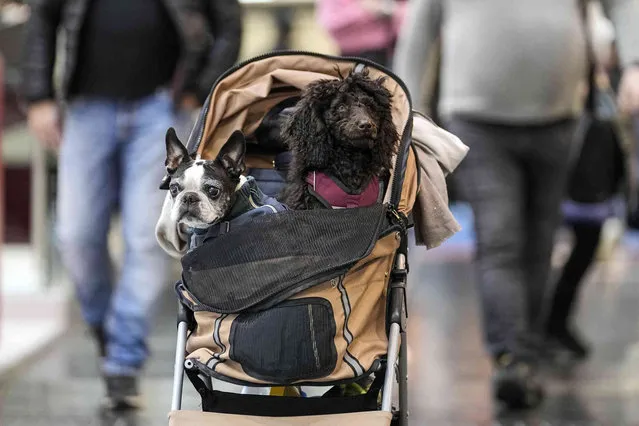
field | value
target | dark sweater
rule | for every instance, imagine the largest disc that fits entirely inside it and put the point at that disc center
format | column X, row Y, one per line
column 128, row 49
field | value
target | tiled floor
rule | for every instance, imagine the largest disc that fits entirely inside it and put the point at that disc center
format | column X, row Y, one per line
column 449, row 374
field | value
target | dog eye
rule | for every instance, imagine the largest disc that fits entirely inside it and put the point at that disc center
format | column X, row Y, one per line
column 341, row 108
column 213, row 192
column 175, row 190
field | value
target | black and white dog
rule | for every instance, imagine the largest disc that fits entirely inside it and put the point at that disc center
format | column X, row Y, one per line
column 207, row 193
column 203, row 191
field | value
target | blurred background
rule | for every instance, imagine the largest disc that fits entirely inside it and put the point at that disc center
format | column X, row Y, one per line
column 47, row 362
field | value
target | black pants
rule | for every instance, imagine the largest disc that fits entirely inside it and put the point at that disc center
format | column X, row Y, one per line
column 563, row 302
column 514, row 178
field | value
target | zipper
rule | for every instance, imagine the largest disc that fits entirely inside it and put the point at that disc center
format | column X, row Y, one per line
column 200, row 125
column 406, row 137
column 399, row 218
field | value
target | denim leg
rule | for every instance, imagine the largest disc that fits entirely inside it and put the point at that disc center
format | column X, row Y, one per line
column 87, row 190
column 546, row 155
column 145, row 266
column 492, row 180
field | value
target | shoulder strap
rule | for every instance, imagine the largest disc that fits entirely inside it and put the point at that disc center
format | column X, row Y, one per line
column 590, row 56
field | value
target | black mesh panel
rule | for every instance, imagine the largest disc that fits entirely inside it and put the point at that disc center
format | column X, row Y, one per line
column 275, row 256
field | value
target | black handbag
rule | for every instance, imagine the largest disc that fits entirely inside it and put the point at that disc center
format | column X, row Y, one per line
column 598, row 172
column 598, row 168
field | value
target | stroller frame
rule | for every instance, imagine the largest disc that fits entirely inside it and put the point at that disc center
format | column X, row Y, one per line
column 396, row 363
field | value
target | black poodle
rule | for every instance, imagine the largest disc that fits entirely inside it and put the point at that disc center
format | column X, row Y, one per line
column 342, row 128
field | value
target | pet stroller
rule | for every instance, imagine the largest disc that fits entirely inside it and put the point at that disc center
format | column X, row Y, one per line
column 299, row 298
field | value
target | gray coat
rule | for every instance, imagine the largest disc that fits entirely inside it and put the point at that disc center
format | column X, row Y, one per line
column 505, row 61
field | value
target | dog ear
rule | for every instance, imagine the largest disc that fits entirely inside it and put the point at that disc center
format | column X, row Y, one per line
column 381, row 93
column 176, row 152
column 231, row 156
column 375, row 89
column 305, row 130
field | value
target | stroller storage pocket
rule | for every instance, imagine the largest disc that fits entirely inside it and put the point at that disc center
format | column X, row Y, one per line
column 291, row 341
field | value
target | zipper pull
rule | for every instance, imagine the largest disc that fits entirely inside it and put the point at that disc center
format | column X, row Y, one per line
column 400, row 218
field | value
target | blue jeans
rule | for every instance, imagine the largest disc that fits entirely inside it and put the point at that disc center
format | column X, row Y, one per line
column 113, row 156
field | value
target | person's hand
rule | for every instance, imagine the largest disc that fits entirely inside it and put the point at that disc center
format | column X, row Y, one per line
column 43, row 119
column 629, row 90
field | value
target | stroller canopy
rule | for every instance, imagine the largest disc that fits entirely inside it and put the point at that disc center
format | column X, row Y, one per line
column 246, row 93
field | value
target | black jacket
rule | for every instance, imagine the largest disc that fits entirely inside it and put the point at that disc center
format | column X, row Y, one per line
column 210, row 30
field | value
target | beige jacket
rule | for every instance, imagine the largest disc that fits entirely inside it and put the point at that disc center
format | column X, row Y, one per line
column 438, row 154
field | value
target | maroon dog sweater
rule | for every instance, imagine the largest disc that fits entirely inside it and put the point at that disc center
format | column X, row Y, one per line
column 337, row 196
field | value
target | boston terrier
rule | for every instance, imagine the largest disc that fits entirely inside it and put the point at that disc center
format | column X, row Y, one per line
column 203, row 191
column 208, row 197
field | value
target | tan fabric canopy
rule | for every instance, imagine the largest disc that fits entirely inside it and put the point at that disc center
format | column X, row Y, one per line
column 242, row 98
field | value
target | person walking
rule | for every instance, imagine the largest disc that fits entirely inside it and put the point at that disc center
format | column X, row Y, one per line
column 363, row 28
column 596, row 194
column 129, row 68
column 511, row 76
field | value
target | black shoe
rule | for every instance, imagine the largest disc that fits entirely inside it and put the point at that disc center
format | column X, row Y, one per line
column 570, row 341
column 515, row 383
column 100, row 338
column 122, row 393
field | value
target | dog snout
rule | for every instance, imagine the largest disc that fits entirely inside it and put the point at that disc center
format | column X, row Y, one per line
column 190, row 198
column 365, row 125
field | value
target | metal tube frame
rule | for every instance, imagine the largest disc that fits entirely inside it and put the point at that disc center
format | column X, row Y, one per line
column 178, row 368
column 397, row 357
column 403, row 380
column 389, row 379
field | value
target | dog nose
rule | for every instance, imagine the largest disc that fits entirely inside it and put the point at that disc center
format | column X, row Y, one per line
column 365, row 125
column 190, row 198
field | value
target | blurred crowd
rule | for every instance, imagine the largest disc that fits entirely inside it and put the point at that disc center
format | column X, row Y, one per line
column 544, row 92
